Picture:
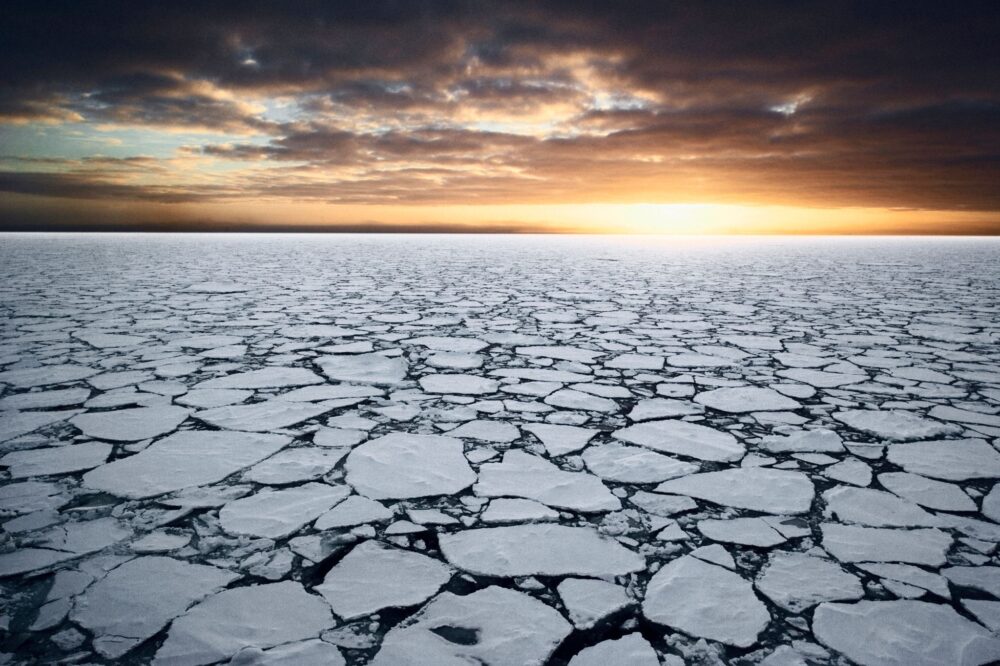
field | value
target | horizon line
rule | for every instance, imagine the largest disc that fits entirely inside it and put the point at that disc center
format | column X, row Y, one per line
column 465, row 231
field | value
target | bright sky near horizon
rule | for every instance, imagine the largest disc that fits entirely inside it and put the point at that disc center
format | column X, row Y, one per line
column 451, row 115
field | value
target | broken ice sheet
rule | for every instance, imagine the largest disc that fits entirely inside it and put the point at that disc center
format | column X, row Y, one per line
column 705, row 600
column 634, row 464
column 589, row 425
column 373, row 576
column 920, row 633
column 588, row 601
column 756, row 488
column 523, row 475
column 275, row 514
column 56, row 459
column 528, row 550
column 491, row 626
column 265, row 416
column 130, row 425
column 683, row 438
column 403, row 465
column 123, row 605
column 259, row 616
column 183, row 460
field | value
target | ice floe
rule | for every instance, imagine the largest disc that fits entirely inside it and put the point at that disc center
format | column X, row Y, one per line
column 264, row 416
column 707, row 601
column 894, row 425
column 632, row 649
column 538, row 550
column 797, row 581
column 756, row 488
column 260, row 616
column 403, row 465
column 56, row 459
column 493, row 626
column 373, row 576
column 524, row 475
column 183, row 460
column 588, row 601
column 130, row 425
column 275, row 514
column 849, row 543
column 898, row 633
column 948, row 459
column 741, row 399
column 123, row 609
column 684, row 439
column 371, row 368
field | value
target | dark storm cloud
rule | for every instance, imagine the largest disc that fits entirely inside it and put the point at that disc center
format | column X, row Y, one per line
column 855, row 103
column 79, row 186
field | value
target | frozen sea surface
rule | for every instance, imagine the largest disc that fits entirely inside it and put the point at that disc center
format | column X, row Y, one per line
column 499, row 450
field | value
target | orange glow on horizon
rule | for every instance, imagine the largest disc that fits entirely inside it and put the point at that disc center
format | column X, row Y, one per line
column 593, row 218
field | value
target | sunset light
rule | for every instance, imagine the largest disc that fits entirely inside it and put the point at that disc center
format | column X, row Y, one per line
column 648, row 118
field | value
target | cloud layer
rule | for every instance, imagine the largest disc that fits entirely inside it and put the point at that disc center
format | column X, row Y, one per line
column 436, row 103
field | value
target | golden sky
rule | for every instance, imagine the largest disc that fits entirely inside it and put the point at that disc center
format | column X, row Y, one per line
column 639, row 117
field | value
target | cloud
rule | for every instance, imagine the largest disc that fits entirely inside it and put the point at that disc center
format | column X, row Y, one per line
column 814, row 103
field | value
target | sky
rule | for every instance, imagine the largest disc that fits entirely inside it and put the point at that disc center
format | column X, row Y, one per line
column 594, row 117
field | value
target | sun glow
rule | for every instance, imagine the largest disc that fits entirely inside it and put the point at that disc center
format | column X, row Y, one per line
column 593, row 218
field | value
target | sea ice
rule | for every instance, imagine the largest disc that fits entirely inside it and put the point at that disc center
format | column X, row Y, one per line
column 46, row 375
column 927, row 492
column 755, row 488
column 15, row 423
column 493, row 626
column 894, row 425
column 316, row 331
column 819, row 440
column 373, row 576
column 742, row 399
column 849, row 543
column 875, row 508
column 589, row 601
column 538, row 550
column 796, row 581
column 559, row 440
column 259, row 616
column 663, row 408
column 487, row 431
column 268, row 377
column 903, row 633
column 183, row 460
column 449, row 344
column 45, row 399
column 371, row 368
column 264, row 416
column 355, row 510
column 402, row 465
column 458, row 384
column 745, row 531
column 56, row 459
column 126, row 606
column 510, row 510
column 294, row 466
column 521, row 474
column 631, row 649
column 684, row 439
column 706, row 601
column 572, row 399
column 276, row 514
column 948, row 459
column 633, row 464
column 130, row 425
